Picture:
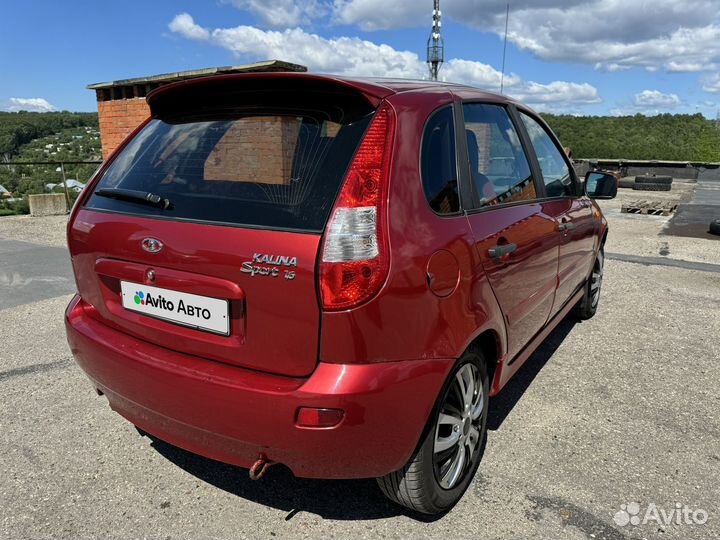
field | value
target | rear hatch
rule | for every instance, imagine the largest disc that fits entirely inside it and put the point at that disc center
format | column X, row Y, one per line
column 202, row 233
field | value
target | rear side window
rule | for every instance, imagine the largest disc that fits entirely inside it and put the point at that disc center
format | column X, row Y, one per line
column 262, row 170
column 555, row 171
column 498, row 167
column 439, row 164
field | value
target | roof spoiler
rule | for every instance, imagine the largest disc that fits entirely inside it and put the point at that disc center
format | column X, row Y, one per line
column 225, row 89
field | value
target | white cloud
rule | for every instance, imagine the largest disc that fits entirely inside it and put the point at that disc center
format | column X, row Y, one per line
column 558, row 93
column 283, row 13
column 355, row 56
column 560, row 96
column 477, row 74
column 381, row 14
column 653, row 102
column 712, row 84
column 342, row 55
column 184, row 25
column 685, row 67
column 656, row 99
column 610, row 68
column 612, row 35
column 621, row 111
column 30, row 104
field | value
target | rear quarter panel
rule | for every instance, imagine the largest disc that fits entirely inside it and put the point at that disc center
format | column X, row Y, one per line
column 406, row 320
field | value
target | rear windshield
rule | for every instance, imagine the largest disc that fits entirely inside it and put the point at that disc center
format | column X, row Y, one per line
column 260, row 169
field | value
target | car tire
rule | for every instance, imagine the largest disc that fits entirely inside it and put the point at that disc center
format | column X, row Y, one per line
column 626, row 183
column 715, row 227
column 434, row 480
column 587, row 306
column 653, row 180
column 652, row 187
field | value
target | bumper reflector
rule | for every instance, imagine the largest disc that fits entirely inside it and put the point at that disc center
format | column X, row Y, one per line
column 310, row 417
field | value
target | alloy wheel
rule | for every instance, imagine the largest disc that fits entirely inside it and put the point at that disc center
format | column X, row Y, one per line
column 459, row 427
column 596, row 280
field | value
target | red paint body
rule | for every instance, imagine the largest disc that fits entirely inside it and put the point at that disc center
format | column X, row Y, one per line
column 383, row 362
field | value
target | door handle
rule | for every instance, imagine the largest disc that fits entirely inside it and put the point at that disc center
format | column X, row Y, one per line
column 566, row 226
column 499, row 251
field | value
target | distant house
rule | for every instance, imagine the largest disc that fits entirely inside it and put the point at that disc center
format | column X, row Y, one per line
column 72, row 184
column 4, row 193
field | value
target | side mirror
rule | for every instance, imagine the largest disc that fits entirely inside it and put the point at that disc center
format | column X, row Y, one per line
column 600, row 185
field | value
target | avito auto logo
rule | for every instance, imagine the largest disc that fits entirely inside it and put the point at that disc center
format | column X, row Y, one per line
column 146, row 299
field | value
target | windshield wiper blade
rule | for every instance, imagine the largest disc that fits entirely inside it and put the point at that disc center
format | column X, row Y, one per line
column 131, row 195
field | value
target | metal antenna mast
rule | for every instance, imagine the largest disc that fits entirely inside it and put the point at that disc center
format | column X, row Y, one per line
column 502, row 77
column 435, row 43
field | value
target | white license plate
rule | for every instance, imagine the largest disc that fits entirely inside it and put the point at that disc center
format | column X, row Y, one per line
column 201, row 312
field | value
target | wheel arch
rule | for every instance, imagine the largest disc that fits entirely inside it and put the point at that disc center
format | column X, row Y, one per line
column 489, row 342
column 604, row 237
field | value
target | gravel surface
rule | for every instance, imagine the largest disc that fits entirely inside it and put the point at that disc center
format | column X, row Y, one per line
column 619, row 409
column 48, row 231
column 635, row 234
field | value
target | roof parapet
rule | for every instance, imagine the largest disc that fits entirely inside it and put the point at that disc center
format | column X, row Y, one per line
column 165, row 78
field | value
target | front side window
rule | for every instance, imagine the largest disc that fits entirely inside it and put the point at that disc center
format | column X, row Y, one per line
column 439, row 165
column 556, row 173
column 499, row 169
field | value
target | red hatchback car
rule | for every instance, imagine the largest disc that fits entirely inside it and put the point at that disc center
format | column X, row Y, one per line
column 333, row 274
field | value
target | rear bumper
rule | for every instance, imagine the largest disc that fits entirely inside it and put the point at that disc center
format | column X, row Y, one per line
column 232, row 414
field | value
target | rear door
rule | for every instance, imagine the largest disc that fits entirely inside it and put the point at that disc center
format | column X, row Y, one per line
column 573, row 213
column 516, row 238
column 220, row 260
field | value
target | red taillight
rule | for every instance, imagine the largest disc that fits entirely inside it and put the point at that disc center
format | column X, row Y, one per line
column 355, row 261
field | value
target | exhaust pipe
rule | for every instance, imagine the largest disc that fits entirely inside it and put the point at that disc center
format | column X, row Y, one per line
column 260, row 467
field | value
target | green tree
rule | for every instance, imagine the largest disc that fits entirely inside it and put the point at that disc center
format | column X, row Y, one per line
column 666, row 137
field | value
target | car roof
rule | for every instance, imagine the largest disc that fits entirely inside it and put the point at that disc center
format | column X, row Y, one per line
column 463, row 91
column 416, row 85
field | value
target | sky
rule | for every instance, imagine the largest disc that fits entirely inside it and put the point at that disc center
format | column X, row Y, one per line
column 592, row 57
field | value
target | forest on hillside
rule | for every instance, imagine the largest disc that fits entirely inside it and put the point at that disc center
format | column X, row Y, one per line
column 50, row 137
column 65, row 136
column 19, row 128
column 665, row 137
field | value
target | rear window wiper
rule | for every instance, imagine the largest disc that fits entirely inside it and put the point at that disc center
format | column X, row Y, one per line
column 131, row 195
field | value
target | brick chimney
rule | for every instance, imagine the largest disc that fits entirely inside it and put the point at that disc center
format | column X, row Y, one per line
column 122, row 106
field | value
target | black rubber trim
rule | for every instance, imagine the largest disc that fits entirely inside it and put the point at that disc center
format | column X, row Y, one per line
column 714, row 227
column 653, row 179
column 652, row 187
